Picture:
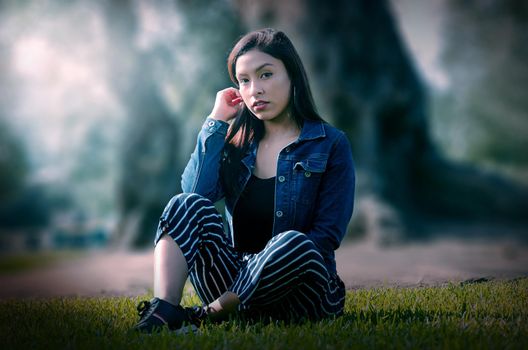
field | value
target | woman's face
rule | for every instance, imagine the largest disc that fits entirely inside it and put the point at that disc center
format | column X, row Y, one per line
column 264, row 85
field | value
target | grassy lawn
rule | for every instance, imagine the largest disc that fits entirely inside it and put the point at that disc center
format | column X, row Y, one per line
column 479, row 315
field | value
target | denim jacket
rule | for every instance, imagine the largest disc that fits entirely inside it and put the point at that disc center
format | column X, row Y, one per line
column 314, row 186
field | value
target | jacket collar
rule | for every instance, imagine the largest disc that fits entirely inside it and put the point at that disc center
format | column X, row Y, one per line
column 251, row 155
column 312, row 129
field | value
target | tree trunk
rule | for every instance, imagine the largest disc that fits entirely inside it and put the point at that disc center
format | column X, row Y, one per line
column 148, row 169
column 154, row 151
column 367, row 85
column 363, row 80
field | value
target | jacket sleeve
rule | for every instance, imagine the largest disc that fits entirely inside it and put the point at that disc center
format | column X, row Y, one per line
column 202, row 173
column 335, row 201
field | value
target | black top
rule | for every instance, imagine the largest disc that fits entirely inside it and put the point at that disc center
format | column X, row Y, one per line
column 253, row 215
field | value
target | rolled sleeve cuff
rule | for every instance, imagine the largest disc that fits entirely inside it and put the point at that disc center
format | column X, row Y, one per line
column 212, row 126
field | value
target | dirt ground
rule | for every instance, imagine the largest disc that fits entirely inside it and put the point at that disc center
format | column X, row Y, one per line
column 360, row 265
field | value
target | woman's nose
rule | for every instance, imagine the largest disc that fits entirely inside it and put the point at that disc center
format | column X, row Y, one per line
column 256, row 89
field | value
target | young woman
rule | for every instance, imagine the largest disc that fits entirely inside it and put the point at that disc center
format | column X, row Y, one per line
column 288, row 182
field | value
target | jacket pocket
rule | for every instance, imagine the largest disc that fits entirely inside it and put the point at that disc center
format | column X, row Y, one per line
column 307, row 173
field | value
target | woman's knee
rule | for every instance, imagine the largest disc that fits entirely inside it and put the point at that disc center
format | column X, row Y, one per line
column 292, row 235
column 178, row 206
column 294, row 250
column 187, row 199
column 184, row 201
column 293, row 240
column 301, row 245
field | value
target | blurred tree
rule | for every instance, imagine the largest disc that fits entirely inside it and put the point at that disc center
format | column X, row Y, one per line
column 146, row 168
column 176, row 64
column 485, row 56
column 22, row 205
column 366, row 82
column 31, row 207
column 13, row 164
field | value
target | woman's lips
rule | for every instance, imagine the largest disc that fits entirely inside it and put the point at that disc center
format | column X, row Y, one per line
column 260, row 106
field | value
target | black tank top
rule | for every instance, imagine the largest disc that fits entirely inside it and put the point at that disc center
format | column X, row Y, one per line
column 253, row 215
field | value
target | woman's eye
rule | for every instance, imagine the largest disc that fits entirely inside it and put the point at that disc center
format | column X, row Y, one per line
column 243, row 80
column 266, row 75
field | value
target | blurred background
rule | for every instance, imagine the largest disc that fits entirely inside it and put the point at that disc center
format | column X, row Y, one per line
column 101, row 102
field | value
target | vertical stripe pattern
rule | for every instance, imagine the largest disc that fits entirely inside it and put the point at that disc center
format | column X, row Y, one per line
column 286, row 280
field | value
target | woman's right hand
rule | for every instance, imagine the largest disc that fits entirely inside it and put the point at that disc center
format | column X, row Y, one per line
column 228, row 102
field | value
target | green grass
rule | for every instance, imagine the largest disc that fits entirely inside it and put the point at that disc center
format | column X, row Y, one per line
column 481, row 315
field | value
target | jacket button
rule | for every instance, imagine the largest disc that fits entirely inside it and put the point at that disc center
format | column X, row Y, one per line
column 307, row 174
column 211, row 123
column 287, row 149
column 279, row 214
column 281, row 178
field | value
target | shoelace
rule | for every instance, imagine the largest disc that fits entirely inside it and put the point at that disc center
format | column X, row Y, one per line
column 142, row 307
column 197, row 314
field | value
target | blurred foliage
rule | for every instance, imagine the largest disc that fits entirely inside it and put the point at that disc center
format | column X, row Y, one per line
column 30, row 208
column 102, row 101
column 21, row 204
column 483, row 116
column 166, row 94
column 13, row 164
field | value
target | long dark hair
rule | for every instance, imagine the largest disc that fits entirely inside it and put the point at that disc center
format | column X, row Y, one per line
column 247, row 128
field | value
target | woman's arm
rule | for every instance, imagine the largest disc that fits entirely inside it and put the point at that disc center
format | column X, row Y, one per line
column 202, row 173
column 335, row 200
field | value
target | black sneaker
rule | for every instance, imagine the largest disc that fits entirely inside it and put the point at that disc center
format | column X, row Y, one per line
column 157, row 313
column 197, row 315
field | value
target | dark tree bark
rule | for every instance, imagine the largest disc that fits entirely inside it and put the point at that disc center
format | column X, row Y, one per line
column 365, row 81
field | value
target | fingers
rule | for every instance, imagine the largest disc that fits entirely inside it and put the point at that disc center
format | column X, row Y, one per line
column 228, row 102
column 233, row 93
column 232, row 96
column 234, row 101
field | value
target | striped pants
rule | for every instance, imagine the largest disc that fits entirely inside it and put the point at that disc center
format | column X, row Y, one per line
column 287, row 280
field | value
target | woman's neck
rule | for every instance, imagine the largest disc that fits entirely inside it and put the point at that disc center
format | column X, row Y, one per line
column 280, row 128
